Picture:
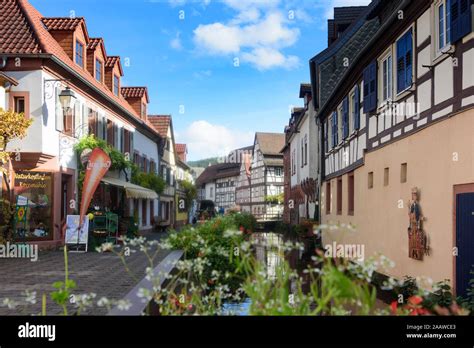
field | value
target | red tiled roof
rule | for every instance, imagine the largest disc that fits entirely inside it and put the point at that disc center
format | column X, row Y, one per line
column 23, row 32
column 181, row 148
column 134, row 92
column 161, row 123
column 17, row 36
column 111, row 61
column 94, row 42
column 62, row 23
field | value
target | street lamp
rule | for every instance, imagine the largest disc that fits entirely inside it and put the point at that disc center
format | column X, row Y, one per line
column 67, row 98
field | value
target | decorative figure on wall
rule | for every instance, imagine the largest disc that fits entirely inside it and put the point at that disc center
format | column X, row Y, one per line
column 417, row 238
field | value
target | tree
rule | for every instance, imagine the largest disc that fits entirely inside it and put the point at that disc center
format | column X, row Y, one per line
column 190, row 192
column 12, row 126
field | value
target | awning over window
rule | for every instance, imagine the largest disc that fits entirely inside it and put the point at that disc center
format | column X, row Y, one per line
column 131, row 190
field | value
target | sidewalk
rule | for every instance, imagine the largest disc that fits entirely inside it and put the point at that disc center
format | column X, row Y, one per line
column 100, row 273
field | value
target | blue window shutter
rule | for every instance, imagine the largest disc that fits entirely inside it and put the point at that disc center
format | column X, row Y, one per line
column 333, row 130
column 465, row 17
column 345, row 117
column 401, row 69
column 366, row 89
column 461, row 19
column 455, row 21
column 370, row 87
column 336, row 128
column 357, row 107
column 373, row 86
column 326, row 140
column 408, row 58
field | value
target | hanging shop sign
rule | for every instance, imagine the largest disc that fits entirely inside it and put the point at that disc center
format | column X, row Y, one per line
column 418, row 245
column 97, row 165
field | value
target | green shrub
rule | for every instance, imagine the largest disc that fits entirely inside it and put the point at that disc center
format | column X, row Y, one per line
column 468, row 302
column 245, row 221
column 218, row 243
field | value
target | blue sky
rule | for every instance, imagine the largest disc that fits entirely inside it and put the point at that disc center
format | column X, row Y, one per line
column 186, row 52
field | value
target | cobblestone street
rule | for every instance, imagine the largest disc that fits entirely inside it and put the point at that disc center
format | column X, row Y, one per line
column 101, row 273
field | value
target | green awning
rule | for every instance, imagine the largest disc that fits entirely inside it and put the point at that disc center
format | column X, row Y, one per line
column 132, row 190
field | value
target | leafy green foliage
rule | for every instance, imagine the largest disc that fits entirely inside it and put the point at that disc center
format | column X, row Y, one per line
column 119, row 161
column 407, row 289
column 468, row 302
column 275, row 199
column 63, row 289
column 442, row 296
column 212, row 242
column 150, row 181
column 245, row 221
column 190, row 191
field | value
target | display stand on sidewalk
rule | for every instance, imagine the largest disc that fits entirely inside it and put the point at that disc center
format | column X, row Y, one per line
column 77, row 236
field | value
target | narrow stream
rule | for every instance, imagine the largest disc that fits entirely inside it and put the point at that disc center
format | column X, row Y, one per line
column 269, row 251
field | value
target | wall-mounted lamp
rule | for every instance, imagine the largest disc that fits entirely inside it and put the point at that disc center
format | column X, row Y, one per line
column 67, row 98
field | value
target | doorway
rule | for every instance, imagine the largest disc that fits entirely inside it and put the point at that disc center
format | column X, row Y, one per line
column 66, row 195
column 464, row 224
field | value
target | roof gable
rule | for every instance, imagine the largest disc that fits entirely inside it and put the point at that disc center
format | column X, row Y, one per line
column 161, row 123
column 113, row 61
column 270, row 143
column 97, row 42
column 135, row 92
column 66, row 24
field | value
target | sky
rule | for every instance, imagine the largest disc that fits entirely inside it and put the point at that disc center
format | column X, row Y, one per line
column 224, row 69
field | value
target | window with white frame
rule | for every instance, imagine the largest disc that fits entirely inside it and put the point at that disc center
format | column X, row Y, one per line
column 302, row 152
column 443, row 24
column 340, row 130
column 329, row 134
column 352, row 108
column 405, row 61
column 293, row 165
column 386, row 76
column 305, row 149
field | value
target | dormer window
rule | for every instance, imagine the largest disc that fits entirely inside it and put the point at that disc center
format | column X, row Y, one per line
column 98, row 70
column 79, row 54
column 116, row 85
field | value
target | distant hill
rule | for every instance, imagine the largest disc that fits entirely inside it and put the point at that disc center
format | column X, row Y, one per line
column 203, row 163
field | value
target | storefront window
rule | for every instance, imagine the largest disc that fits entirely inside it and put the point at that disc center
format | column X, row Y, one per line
column 37, row 188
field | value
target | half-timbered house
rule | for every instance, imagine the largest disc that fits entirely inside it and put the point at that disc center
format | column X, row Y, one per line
column 261, row 177
column 395, row 97
column 302, row 138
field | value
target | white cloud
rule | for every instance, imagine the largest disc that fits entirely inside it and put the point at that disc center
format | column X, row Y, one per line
column 206, row 140
column 263, row 38
column 217, row 38
column 267, row 58
column 175, row 43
